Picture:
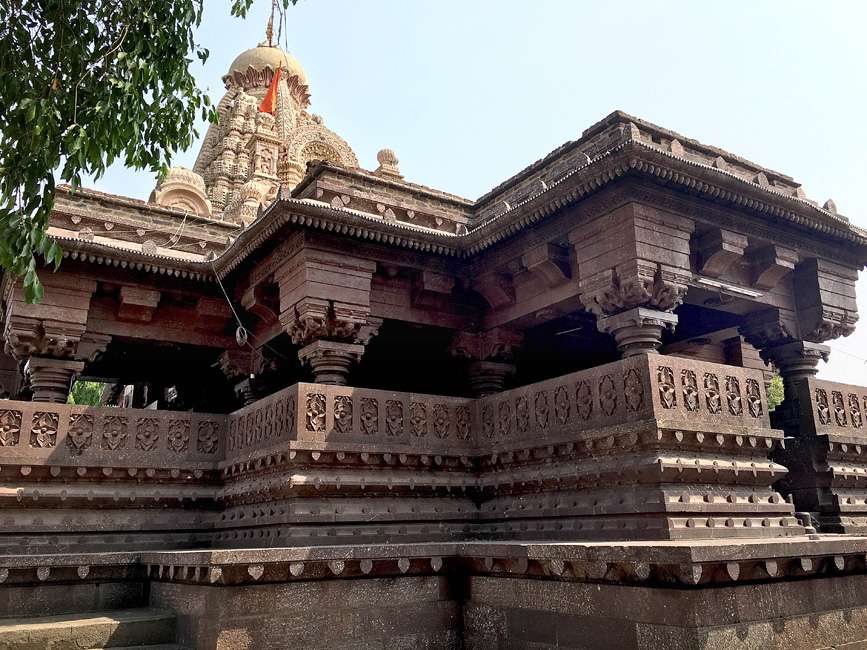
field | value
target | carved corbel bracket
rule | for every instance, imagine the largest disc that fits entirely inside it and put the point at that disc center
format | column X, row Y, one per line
column 137, row 304
column 496, row 288
column 313, row 319
column 770, row 264
column 825, row 300
column 212, row 314
column 768, row 328
column 636, row 284
column 26, row 337
column 262, row 301
column 497, row 344
column 550, row 262
column 429, row 288
column 718, row 250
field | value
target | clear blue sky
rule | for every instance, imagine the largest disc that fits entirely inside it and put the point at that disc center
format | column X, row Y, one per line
column 467, row 92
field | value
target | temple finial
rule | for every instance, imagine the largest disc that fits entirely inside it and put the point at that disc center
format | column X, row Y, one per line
column 269, row 30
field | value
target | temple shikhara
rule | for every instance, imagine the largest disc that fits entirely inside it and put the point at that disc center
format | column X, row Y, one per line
column 347, row 410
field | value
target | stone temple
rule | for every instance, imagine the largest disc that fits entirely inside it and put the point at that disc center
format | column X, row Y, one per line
column 353, row 411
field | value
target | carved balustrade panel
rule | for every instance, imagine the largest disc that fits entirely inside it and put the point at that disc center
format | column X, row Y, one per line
column 35, row 433
column 833, row 408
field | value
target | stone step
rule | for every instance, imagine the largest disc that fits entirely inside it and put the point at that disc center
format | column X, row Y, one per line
column 129, row 628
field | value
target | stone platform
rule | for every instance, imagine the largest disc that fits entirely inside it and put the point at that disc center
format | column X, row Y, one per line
column 794, row 592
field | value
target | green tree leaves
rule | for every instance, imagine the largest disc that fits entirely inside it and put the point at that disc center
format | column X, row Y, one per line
column 83, row 84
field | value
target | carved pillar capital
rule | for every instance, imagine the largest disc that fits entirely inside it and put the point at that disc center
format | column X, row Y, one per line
column 51, row 379
column 330, row 360
column 491, row 355
column 638, row 330
column 636, row 284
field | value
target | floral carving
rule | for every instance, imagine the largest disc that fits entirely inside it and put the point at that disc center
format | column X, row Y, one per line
column 147, row 434
column 542, row 409
column 279, row 418
column 462, row 422
column 633, row 390
column 178, row 439
column 488, row 420
column 607, row 395
column 733, row 395
column 667, row 392
column 689, row 383
column 522, row 413
column 10, row 427
column 855, row 411
column 839, row 407
column 343, row 413
column 441, row 421
column 315, row 412
column 268, row 422
column 114, row 432
column 80, row 435
column 754, row 398
column 505, row 418
column 394, row 417
column 43, row 432
column 584, row 399
column 711, row 393
column 418, row 418
column 562, row 408
column 369, row 416
column 290, row 413
column 208, row 437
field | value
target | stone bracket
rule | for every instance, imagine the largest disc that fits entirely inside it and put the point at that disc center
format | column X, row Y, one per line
column 550, row 262
column 770, row 264
column 718, row 250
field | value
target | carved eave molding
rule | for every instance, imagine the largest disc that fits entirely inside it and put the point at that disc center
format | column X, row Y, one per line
column 639, row 158
column 123, row 258
column 307, row 213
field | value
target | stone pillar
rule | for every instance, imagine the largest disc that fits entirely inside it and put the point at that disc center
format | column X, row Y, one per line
column 51, row 379
column 490, row 355
column 633, row 272
column 330, row 360
column 638, row 330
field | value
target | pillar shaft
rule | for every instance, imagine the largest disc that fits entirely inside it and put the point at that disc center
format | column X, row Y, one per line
column 51, row 379
column 330, row 360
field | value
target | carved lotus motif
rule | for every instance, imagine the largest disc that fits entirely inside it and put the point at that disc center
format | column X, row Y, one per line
column 43, row 432
column 114, row 432
column 343, row 413
column 505, row 418
column 208, row 438
column 607, row 395
column 394, row 417
column 839, row 407
column 10, row 427
column 418, row 418
column 522, row 413
column 268, row 422
column 178, row 439
column 315, row 412
column 290, row 413
column 754, row 398
column 712, row 395
column 369, row 416
column 441, row 421
column 733, row 395
column 80, row 435
column 855, row 411
column 147, row 433
column 542, row 409
column 488, row 420
column 562, row 408
column 462, row 422
column 584, row 399
column 633, row 390
column 667, row 392
column 689, row 382
column 822, row 407
column 279, row 423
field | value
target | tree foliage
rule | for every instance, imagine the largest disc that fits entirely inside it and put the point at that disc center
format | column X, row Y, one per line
column 775, row 392
column 84, row 83
column 86, row 393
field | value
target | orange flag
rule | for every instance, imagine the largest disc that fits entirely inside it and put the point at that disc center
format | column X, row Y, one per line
column 269, row 102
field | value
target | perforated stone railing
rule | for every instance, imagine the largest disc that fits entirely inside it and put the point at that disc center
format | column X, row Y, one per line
column 60, row 434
